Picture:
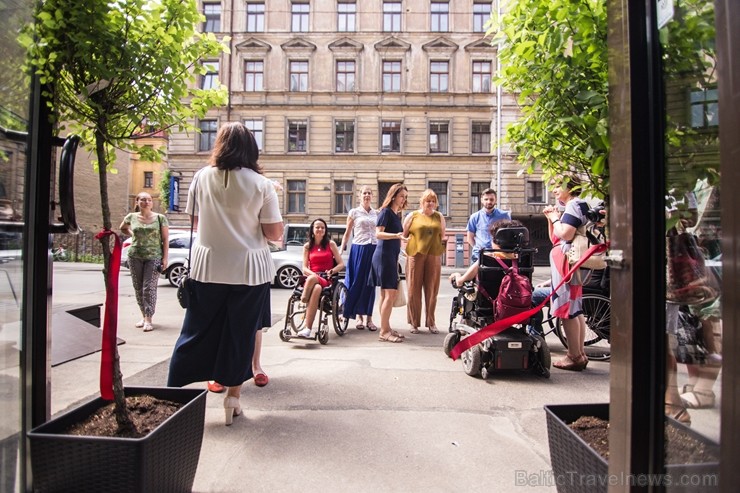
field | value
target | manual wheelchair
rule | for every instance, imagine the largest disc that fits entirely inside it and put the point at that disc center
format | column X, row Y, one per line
column 331, row 305
column 515, row 348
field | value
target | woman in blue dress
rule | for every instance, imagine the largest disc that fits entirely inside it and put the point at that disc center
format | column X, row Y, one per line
column 384, row 272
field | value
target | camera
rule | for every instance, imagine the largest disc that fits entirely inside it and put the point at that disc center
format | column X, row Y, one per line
column 595, row 214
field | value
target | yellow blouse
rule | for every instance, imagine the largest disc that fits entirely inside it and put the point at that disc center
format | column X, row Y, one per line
column 425, row 234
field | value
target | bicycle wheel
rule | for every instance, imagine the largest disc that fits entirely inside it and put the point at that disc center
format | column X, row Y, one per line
column 597, row 310
column 337, row 308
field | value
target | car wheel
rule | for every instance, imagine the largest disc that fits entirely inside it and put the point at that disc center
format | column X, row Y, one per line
column 176, row 274
column 287, row 277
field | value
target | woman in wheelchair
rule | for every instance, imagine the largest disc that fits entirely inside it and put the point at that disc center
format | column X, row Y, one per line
column 459, row 279
column 321, row 261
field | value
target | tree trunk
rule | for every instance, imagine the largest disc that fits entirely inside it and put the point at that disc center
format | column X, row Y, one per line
column 125, row 424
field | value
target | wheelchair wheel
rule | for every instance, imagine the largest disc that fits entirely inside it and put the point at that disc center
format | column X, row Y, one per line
column 296, row 315
column 471, row 360
column 597, row 310
column 337, row 309
column 323, row 335
column 542, row 359
column 451, row 341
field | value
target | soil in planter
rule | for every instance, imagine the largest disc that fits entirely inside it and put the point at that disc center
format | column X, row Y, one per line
column 146, row 413
column 681, row 448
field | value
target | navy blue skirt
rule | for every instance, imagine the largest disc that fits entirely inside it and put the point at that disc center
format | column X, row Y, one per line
column 217, row 337
column 360, row 297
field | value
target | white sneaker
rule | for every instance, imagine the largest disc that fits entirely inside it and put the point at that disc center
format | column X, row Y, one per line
column 305, row 333
column 139, row 324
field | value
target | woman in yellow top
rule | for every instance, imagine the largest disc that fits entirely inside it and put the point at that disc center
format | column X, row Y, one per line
column 425, row 229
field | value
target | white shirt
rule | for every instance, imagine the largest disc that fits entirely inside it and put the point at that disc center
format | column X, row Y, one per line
column 364, row 222
column 231, row 207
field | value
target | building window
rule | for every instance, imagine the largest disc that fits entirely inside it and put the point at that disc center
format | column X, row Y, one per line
column 209, row 80
column 535, row 192
column 482, row 76
column 392, row 16
column 476, row 190
column 480, row 141
column 440, row 12
column 438, row 137
column 391, row 136
column 296, row 196
column 391, row 76
column 346, row 15
column 257, row 128
column 704, row 108
column 299, row 76
column 299, row 18
column 255, row 17
column 344, row 136
column 343, row 196
column 148, row 179
column 439, row 76
column 440, row 188
column 212, row 12
column 254, row 75
column 481, row 14
column 207, row 136
column 297, row 133
column 383, row 188
column 345, row 75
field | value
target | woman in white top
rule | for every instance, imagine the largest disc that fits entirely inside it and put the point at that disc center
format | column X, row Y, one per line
column 235, row 209
column 361, row 223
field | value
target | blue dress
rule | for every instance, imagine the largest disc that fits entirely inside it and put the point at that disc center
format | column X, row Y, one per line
column 384, row 272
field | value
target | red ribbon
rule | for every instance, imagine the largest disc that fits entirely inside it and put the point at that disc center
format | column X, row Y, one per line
column 110, row 320
column 494, row 328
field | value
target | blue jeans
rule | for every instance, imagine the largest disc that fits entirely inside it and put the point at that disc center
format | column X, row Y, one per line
column 535, row 323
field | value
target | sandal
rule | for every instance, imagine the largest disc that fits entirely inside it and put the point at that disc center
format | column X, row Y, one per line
column 148, row 327
column 433, row 330
column 414, row 330
column 568, row 364
column 398, row 334
column 696, row 399
column 371, row 327
column 681, row 414
column 390, row 338
column 359, row 327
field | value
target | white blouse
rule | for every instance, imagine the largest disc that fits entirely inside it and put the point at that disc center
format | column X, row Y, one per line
column 364, row 222
column 231, row 207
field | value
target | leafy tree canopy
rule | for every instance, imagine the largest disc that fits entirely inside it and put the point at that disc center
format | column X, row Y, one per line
column 553, row 55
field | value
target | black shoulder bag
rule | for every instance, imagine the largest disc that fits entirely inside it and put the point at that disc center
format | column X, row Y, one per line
column 185, row 294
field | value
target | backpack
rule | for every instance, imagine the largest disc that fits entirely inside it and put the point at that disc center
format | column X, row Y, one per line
column 515, row 293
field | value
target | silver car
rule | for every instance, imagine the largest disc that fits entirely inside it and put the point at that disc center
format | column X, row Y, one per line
column 175, row 270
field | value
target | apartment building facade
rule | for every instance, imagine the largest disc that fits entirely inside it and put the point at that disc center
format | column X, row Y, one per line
column 346, row 93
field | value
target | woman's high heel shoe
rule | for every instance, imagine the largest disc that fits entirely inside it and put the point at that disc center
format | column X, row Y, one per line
column 231, row 409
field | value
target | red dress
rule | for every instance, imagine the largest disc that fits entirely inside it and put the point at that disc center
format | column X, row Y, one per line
column 321, row 260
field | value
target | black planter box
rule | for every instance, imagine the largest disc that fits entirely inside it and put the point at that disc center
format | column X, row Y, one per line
column 579, row 468
column 163, row 461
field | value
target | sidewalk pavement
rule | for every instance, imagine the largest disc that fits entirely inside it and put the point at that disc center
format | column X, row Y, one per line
column 354, row 415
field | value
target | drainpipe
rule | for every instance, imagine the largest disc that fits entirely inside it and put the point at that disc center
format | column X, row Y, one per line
column 231, row 59
column 498, row 116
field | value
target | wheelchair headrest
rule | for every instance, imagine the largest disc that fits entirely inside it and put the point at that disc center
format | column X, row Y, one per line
column 512, row 237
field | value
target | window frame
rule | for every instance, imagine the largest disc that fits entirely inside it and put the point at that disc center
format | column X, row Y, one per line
column 437, row 124
column 148, row 179
column 391, row 75
column 255, row 18
column 210, row 17
column 301, row 128
column 478, row 76
column 257, row 78
column 345, row 74
column 439, row 21
column 392, row 18
column 208, row 133
column 259, row 133
column 439, row 78
column 529, row 197
column 480, row 17
column 295, row 198
column 476, row 191
column 698, row 99
column 343, row 198
column 302, row 76
column 476, row 141
column 344, row 19
column 386, row 129
column 210, row 79
column 442, row 189
column 300, row 13
column 349, row 135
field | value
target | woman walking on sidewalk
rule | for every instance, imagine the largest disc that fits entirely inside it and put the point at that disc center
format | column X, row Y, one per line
column 361, row 223
column 147, row 256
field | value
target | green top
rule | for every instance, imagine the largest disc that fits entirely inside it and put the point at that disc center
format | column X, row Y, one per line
column 146, row 239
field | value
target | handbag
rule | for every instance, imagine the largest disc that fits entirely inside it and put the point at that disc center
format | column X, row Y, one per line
column 185, row 295
column 579, row 245
column 185, row 292
column 400, row 295
column 688, row 281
